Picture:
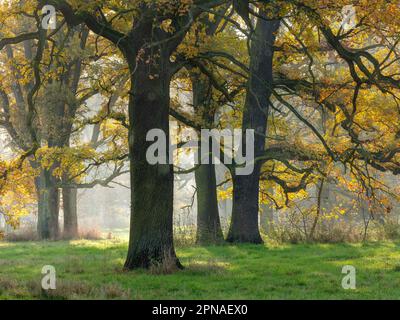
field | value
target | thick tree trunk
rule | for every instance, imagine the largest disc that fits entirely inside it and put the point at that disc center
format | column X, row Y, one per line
column 244, row 223
column 151, row 228
column 70, row 208
column 48, row 205
column 208, row 221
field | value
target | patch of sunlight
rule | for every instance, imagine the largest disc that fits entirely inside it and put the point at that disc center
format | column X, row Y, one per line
column 190, row 251
column 210, row 266
column 4, row 244
column 98, row 244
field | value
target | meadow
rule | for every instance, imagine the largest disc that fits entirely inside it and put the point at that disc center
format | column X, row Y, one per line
column 94, row 270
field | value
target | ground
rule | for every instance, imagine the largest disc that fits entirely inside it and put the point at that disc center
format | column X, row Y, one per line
column 93, row 269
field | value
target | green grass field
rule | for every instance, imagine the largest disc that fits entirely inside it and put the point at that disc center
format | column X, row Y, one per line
column 93, row 270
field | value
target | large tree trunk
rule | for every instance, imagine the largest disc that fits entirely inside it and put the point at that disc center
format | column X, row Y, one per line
column 70, row 209
column 244, row 223
column 151, row 227
column 208, row 221
column 48, row 205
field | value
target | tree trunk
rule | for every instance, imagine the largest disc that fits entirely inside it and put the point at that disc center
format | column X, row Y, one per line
column 266, row 219
column 151, row 227
column 48, row 205
column 320, row 189
column 244, row 223
column 70, row 213
column 208, row 221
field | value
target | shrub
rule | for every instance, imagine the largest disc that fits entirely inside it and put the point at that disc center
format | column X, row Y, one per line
column 90, row 234
column 28, row 233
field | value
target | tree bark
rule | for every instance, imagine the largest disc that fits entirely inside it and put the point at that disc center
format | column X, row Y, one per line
column 244, row 222
column 70, row 209
column 48, row 205
column 151, row 233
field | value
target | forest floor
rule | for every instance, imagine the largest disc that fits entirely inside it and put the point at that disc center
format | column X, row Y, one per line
column 93, row 270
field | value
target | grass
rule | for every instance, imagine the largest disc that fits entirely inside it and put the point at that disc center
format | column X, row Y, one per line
column 93, row 270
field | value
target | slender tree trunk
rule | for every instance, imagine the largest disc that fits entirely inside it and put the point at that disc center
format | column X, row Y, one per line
column 48, row 205
column 244, row 223
column 320, row 189
column 266, row 218
column 70, row 208
column 151, row 227
column 208, row 221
